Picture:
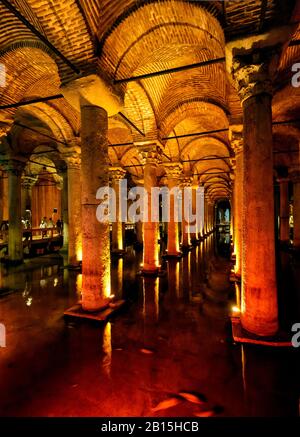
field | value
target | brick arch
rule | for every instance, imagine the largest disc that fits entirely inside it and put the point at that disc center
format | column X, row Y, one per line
column 169, row 34
column 128, row 45
column 51, row 117
column 209, row 115
column 24, row 67
column 140, row 109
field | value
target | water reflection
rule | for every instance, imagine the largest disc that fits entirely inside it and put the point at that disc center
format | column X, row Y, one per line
column 180, row 318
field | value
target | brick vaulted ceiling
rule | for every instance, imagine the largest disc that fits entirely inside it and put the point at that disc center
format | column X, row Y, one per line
column 125, row 38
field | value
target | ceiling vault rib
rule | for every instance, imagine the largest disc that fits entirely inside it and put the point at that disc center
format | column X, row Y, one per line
column 170, row 70
column 20, row 17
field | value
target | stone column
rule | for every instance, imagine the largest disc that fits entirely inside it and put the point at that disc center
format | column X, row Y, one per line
column 150, row 157
column 174, row 172
column 295, row 177
column 116, row 175
column 259, row 312
column 27, row 183
column 186, row 182
column 236, row 138
column 1, row 196
column 96, row 235
column 15, row 232
column 74, row 223
column 64, row 208
column 284, row 225
column 194, row 235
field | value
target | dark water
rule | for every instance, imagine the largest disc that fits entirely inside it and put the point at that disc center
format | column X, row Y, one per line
column 173, row 335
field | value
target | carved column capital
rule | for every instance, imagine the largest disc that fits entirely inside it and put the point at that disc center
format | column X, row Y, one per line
column 116, row 173
column 72, row 154
column 150, row 154
column 186, row 181
column 28, row 181
column 253, row 73
column 236, row 138
column 173, row 170
column 13, row 166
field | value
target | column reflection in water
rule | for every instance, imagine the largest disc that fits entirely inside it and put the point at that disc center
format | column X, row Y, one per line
column 107, row 350
column 270, row 381
column 150, row 310
column 117, row 278
column 187, row 276
column 150, row 300
column 173, row 278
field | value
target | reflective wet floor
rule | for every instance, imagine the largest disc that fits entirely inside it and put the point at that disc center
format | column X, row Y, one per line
column 173, row 336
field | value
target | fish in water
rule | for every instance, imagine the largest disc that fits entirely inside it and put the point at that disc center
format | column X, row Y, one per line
column 147, row 351
column 167, row 403
column 194, row 398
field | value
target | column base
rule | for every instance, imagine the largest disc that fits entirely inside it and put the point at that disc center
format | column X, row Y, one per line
column 149, row 272
column 176, row 255
column 102, row 315
column 186, row 249
column 240, row 335
column 234, row 277
column 75, row 267
column 118, row 252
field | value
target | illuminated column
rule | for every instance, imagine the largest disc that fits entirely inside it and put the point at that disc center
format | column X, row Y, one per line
column 194, row 235
column 259, row 312
column 236, row 139
column 96, row 235
column 295, row 177
column 73, row 160
column 27, row 183
column 64, row 208
column 1, row 196
column 15, row 232
column 151, row 228
column 284, row 225
column 116, row 175
column 186, row 182
column 96, row 100
column 174, row 172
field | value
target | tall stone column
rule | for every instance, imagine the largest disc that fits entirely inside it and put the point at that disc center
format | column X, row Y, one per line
column 186, row 182
column 64, row 208
column 96, row 235
column 174, row 172
column 74, row 228
column 15, row 232
column 1, row 196
column 284, row 224
column 295, row 177
column 27, row 183
column 259, row 312
column 151, row 229
column 116, row 175
column 194, row 235
column 236, row 139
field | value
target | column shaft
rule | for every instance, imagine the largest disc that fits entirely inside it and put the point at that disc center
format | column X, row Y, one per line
column 74, row 214
column 284, row 226
column 95, row 238
column 150, row 260
column 259, row 290
column 15, row 232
